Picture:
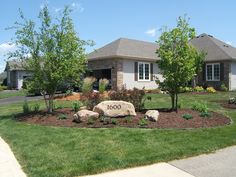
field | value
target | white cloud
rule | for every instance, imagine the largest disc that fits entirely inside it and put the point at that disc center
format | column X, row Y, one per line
column 77, row 7
column 6, row 47
column 229, row 42
column 152, row 32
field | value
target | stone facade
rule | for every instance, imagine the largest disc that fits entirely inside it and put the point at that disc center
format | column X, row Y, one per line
column 116, row 66
column 201, row 78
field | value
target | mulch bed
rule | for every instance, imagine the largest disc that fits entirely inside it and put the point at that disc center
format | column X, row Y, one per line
column 225, row 104
column 167, row 119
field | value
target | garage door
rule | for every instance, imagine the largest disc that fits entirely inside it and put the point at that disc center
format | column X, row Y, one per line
column 233, row 76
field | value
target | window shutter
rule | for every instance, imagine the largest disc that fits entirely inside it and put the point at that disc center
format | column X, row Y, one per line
column 204, row 72
column 151, row 71
column 222, row 71
column 136, row 71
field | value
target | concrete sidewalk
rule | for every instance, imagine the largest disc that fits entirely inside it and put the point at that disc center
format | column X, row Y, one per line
column 222, row 163
column 155, row 170
column 9, row 167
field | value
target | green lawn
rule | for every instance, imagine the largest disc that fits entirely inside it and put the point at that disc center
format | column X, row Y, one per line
column 4, row 94
column 57, row 151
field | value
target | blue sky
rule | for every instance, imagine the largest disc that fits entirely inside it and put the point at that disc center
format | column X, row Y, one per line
column 104, row 20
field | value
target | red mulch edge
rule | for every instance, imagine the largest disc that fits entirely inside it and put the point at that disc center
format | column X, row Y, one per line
column 166, row 120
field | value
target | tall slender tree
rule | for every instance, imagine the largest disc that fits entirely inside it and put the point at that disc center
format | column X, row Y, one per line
column 180, row 61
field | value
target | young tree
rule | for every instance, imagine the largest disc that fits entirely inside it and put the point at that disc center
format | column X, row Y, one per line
column 180, row 61
column 52, row 51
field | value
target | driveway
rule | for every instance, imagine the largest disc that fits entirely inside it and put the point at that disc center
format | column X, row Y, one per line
column 218, row 164
column 18, row 99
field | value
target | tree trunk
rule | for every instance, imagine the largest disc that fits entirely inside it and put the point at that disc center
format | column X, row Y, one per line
column 45, row 100
column 172, row 101
column 176, row 102
column 50, row 103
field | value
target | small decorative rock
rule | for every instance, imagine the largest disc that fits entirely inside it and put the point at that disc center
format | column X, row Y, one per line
column 152, row 115
column 115, row 108
column 83, row 115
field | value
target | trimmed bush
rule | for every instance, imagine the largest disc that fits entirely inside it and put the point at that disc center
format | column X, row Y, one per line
column 135, row 96
column 62, row 117
column 210, row 90
column 199, row 89
column 187, row 116
column 201, row 107
column 223, row 88
column 142, row 122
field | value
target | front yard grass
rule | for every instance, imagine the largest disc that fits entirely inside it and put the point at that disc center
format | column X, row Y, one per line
column 58, row 151
column 7, row 94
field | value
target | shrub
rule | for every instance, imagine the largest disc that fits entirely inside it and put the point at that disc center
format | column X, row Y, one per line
column 36, row 107
column 90, row 100
column 223, row 88
column 76, row 105
column 128, row 119
column 187, row 116
column 232, row 100
column 114, row 121
column 91, row 121
column 186, row 89
column 106, row 120
column 59, row 106
column 87, row 86
column 201, row 107
column 69, row 92
column 134, row 96
column 143, row 122
column 26, row 108
column 62, row 117
column 210, row 90
column 199, row 89
column 2, row 87
column 205, row 114
column 103, row 83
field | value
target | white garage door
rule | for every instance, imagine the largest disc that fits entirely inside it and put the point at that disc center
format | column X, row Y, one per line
column 233, row 76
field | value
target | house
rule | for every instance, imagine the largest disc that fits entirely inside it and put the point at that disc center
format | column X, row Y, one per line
column 132, row 63
column 127, row 63
column 15, row 74
column 220, row 62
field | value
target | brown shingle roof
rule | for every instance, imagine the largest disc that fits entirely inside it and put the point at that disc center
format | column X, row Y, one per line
column 216, row 50
column 126, row 48
column 14, row 65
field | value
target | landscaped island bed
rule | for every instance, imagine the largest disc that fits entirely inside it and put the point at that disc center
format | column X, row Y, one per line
column 63, row 151
column 166, row 119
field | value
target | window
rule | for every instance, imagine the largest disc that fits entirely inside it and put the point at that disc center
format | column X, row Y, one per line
column 143, row 71
column 213, row 72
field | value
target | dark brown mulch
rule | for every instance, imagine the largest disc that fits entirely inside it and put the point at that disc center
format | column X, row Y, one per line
column 225, row 104
column 167, row 119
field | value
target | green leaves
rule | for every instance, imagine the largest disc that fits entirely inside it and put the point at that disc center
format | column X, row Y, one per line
column 179, row 60
column 57, row 54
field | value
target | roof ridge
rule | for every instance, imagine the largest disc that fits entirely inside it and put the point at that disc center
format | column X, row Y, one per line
column 218, row 45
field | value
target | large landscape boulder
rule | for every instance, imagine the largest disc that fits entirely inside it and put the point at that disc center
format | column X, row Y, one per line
column 152, row 115
column 115, row 109
column 83, row 115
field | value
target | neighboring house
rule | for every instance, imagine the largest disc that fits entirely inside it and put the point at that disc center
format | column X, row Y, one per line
column 15, row 74
column 127, row 63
